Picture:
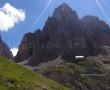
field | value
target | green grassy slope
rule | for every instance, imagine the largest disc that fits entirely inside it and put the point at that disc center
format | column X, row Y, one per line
column 16, row 77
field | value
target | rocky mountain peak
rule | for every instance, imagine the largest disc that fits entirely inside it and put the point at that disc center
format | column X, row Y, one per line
column 64, row 7
column 4, row 49
column 65, row 35
column 64, row 12
column 90, row 19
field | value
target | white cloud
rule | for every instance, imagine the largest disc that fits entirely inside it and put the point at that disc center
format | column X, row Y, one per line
column 9, row 16
column 14, row 51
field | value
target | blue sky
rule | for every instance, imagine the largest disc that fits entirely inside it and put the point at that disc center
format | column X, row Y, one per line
column 37, row 12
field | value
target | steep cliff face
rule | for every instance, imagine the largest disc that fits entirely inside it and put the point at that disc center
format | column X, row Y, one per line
column 4, row 49
column 65, row 35
column 97, row 29
column 28, row 46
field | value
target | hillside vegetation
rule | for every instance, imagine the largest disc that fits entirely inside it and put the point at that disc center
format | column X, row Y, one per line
column 16, row 77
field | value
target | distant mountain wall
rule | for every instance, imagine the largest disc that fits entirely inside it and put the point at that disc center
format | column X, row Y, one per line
column 4, row 49
column 65, row 35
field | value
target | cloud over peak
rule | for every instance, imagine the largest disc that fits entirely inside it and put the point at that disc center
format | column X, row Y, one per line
column 9, row 16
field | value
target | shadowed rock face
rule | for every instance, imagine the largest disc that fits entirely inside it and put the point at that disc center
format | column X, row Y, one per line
column 64, row 34
column 97, row 28
column 4, row 50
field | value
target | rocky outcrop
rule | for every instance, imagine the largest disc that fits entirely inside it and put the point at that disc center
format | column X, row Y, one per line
column 65, row 35
column 89, row 74
column 27, row 46
column 4, row 50
column 98, row 29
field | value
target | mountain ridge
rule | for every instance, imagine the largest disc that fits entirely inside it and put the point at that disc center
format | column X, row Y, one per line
column 64, row 34
column 4, row 49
